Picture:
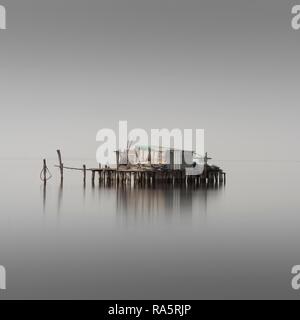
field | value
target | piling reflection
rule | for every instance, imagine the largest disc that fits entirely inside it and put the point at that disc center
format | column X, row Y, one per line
column 44, row 197
column 60, row 197
column 141, row 203
column 162, row 202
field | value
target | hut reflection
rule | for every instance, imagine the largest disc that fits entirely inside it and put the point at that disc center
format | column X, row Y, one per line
column 148, row 204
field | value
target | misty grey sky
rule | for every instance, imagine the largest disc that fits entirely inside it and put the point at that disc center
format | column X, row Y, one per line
column 69, row 68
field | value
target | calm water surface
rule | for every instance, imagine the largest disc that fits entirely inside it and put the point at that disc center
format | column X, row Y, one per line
column 237, row 241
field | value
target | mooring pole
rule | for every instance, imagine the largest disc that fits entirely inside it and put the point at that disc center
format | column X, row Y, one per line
column 61, row 165
column 149, row 155
column 118, row 159
column 93, row 177
column 84, row 173
column 45, row 171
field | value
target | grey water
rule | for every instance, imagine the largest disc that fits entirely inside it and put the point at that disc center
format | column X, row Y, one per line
column 237, row 241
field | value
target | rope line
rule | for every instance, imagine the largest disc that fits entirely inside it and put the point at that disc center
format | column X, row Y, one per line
column 42, row 174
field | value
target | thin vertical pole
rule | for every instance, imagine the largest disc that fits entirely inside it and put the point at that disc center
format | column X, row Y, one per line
column 93, row 177
column 149, row 155
column 61, row 165
column 118, row 159
column 84, row 173
column 45, row 171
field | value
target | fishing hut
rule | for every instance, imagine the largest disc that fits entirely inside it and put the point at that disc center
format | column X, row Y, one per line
column 148, row 166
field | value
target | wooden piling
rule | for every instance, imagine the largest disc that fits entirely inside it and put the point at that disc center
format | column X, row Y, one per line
column 216, row 175
column 100, row 177
column 93, row 177
column 84, row 173
column 45, row 171
column 149, row 155
column 61, row 165
column 221, row 176
column 211, row 177
column 118, row 159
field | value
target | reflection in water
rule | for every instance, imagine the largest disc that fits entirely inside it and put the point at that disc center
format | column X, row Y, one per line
column 44, row 196
column 149, row 204
column 138, row 204
column 60, row 197
column 163, row 238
